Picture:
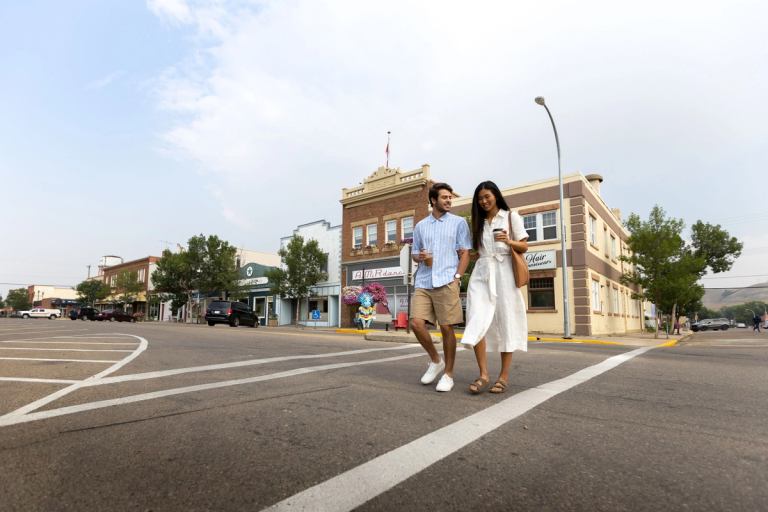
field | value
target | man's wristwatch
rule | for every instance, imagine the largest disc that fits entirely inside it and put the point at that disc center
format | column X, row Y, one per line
column 457, row 276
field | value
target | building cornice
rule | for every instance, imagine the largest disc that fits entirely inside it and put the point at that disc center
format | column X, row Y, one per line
column 385, row 182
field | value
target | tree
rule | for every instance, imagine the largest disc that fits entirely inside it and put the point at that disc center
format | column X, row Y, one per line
column 2, row 302
column 712, row 243
column 127, row 286
column 207, row 265
column 666, row 268
column 18, row 299
column 91, row 290
column 303, row 266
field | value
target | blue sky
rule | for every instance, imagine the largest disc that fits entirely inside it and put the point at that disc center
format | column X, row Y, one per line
column 127, row 125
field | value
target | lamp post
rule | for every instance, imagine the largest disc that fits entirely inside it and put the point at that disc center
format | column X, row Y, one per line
column 566, row 316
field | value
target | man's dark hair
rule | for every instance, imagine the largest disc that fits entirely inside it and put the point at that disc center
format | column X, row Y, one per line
column 435, row 189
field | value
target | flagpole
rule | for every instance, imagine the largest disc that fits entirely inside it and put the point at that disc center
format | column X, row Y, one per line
column 388, row 134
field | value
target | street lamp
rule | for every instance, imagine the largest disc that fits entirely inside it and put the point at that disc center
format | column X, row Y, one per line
column 566, row 317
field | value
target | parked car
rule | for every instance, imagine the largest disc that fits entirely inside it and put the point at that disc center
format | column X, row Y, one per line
column 112, row 315
column 72, row 314
column 51, row 314
column 230, row 312
column 711, row 324
column 88, row 313
column 741, row 325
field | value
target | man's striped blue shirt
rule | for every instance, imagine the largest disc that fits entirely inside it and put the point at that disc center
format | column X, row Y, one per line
column 443, row 236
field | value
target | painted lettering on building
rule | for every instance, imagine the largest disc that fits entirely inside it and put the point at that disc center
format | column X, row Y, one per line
column 378, row 273
column 540, row 260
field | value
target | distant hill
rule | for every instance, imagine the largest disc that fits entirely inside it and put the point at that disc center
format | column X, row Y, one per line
column 715, row 299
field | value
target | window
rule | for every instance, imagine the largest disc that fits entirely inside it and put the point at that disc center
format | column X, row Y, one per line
column 324, row 266
column 606, row 245
column 112, row 280
column 541, row 226
column 357, row 237
column 407, row 227
column 372, row 234
column 142, row 274
column 596, row 304
column 610, row 299
column 615, row 301
column 541, row 293
column 593, row 230
column 319, row 304
column 390, row 228
column 613, row 247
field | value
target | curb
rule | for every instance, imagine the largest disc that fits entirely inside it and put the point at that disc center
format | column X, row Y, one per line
column 378, row 335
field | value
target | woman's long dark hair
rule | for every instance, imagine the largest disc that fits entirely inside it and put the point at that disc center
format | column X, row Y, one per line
column 478, row 214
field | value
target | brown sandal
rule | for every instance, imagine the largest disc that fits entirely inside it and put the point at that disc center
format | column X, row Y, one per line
column 478, row 386
column 499, row 387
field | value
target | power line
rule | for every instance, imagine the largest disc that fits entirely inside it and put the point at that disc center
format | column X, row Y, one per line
column 734, row 277
column 737, row 288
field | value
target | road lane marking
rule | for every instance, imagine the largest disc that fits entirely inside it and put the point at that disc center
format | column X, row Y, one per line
column 359, row 485
column 236, row 364
column 14, row 419
column 21, row 411
column 63, row 360
column 34, row 341
column 46, row 381
column 66, row 349
column 46, row 331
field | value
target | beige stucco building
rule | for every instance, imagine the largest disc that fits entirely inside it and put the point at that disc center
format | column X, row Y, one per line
column 595, row 239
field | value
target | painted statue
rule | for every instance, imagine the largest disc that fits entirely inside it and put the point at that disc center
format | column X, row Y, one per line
column 365, row 313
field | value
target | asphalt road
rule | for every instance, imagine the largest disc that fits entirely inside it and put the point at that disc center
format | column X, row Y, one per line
column 110, row 416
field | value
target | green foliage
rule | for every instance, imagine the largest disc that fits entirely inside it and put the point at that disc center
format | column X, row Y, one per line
column 738, row 313
column 302, row 268
column 207, row 265
column 666, row 268
column 91, row 290
column 127, row 286
column 712, row 243
column 18, row 299
column 2, row 302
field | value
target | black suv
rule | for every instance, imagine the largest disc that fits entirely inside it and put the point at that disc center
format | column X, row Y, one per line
column 232, row 313
column 87, row 314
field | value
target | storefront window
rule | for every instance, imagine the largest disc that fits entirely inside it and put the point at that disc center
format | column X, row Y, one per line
column 541, row 293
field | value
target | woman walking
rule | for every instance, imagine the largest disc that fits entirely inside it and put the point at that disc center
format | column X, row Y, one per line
column 496, row 320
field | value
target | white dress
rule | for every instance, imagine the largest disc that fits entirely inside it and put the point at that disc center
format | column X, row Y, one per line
column 495, row 305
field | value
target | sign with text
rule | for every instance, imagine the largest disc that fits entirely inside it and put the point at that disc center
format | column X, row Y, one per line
column 378, row 273
column 540, row 260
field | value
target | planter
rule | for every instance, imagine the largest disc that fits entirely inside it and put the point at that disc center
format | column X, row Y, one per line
column 272, row 322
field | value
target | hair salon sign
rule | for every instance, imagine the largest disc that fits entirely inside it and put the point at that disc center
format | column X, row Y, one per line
column 540, row 260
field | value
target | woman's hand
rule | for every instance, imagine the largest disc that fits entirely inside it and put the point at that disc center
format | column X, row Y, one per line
column 501, row 236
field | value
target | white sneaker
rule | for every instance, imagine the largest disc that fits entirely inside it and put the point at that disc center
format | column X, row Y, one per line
column 445, row 384
column 433, row 370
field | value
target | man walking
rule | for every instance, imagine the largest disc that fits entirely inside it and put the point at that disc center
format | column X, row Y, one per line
column 441, row 244
column 756, row 324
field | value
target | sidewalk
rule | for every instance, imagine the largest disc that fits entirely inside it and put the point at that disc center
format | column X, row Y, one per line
column 638, row 339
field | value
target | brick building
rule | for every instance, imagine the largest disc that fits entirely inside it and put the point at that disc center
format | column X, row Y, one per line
column 378, row 216
column 143, row 268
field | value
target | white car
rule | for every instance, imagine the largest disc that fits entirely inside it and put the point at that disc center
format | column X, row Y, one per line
column 741, row 325
column 41, row 313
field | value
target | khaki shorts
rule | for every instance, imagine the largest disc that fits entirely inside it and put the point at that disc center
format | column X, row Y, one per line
column 438, row 305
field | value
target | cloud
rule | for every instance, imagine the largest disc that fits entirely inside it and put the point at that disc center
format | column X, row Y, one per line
column 174, row 11
column 104, row 81
column 281, row 104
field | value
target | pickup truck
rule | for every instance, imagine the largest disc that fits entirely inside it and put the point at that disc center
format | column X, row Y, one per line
column 40, row 313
